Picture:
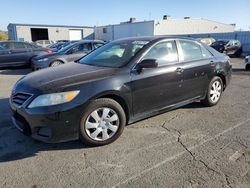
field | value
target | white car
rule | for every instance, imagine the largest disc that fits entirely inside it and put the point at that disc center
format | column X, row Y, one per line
column 247, row 60
column 44, row 43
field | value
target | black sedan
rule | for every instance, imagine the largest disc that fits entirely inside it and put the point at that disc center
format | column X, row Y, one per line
column 16, row 54
column 119, row 83
column 229, row 47
column 72, row 52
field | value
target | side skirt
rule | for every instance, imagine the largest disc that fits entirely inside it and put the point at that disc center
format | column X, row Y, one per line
column 152, row 113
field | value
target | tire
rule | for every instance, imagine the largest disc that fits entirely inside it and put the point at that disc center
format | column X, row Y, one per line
column 56, row 63
column 99, row 126
column 247, row 67
column 215, row 87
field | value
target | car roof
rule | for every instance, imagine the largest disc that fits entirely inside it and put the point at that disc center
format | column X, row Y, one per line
column 152, row 38
column 87, row 41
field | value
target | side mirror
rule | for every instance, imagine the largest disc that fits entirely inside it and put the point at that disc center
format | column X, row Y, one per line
column 148, row 63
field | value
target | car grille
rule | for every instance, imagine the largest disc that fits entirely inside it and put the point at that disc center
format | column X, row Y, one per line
column 20, row 98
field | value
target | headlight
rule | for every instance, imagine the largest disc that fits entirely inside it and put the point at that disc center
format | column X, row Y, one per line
column 53, row 99
column 42, row 60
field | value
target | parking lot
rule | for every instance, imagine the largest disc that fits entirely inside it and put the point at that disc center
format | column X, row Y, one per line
column 192, row 146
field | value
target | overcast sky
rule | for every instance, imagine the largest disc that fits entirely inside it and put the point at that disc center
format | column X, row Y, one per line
column 103, row 12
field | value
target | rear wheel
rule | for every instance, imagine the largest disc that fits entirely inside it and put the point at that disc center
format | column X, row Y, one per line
column 103, row 122
column 56, row 63
column 214, row 92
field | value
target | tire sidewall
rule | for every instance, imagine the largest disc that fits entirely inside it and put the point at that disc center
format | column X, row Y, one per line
column 101, row 103
column 216, row 78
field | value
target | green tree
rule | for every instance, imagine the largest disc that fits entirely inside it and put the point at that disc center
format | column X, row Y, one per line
column 3, row 35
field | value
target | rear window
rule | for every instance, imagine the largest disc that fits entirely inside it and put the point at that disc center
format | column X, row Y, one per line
column 4, row 45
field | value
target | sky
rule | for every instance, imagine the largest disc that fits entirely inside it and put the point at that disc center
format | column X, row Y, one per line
column 104, row 12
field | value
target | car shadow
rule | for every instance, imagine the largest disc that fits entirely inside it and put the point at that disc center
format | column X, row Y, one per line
column 15, row 71
column 15, row 146
column 194, row 105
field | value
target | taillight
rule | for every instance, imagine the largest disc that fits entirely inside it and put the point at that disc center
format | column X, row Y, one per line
column 48, row 51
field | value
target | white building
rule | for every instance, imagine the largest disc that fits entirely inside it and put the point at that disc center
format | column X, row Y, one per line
column 167, row 26
column 32, row 32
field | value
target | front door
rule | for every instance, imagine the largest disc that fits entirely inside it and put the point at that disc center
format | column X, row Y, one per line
column 155, row 88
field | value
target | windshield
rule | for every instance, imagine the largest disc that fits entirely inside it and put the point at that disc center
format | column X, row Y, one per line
column 114, row 54
column 66, row 48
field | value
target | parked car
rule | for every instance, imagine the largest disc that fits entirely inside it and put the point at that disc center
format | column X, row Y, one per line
column 207, row 41
column 14, row 53
column 117, row 84
column 247, row 60
column 44, row 43
column 63, row 41
column 72, row 52
column 56, row 46
column 59, row 45
column 229, row 47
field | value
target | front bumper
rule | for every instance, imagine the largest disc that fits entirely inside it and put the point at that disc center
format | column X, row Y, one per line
column 47, row 125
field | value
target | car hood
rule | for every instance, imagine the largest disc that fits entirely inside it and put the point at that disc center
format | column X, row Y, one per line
column 57, row 78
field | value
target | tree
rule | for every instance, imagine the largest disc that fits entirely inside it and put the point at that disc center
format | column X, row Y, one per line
column 3, row 35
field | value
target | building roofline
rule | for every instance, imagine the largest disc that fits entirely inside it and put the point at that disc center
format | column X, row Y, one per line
column 44, row 25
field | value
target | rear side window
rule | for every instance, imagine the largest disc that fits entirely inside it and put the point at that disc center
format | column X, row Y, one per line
column 18, row 45
column 29, row 46
column 205, row 53
column 163, row 52
column 191, row 51
column 4, row 45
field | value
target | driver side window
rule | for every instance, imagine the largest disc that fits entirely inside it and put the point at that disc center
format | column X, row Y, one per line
column 163, row 52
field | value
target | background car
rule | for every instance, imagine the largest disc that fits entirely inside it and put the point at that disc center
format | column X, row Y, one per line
column 247, row 60
column 207, row 41
column 229, row 47
column 72, row 52
column 44, row 43
column 13, row 53
column 59, row 45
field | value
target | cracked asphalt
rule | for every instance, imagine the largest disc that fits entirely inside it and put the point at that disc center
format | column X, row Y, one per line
column 192, row 146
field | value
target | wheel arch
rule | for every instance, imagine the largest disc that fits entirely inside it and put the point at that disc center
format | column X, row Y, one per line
column 120, row 100
column 223, row 78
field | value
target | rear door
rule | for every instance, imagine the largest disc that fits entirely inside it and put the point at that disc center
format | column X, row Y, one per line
column 5, row 54
column 197, row 66
column 19, row 53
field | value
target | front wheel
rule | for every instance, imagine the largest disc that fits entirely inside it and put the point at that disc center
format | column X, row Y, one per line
column 103, row 122
column 214, row 92
column 56, row 63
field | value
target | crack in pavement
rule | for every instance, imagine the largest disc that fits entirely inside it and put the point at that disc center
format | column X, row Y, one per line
column 178, row 134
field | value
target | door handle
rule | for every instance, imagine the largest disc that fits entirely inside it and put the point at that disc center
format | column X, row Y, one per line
column 179, row 70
